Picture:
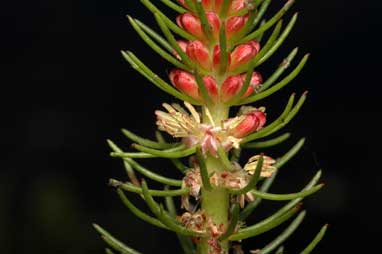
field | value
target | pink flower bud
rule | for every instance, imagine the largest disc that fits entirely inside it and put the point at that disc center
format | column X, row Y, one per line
column 216, row 57
column 232, row 85
column 185, row 82
column 256, row 80
column 211, row 86
column 183, row 45
column 198, row 52
column 214, row 21
column 191, row 23
column 236, row 6
column 234, row 24
column 243, row 53
column 253, row 121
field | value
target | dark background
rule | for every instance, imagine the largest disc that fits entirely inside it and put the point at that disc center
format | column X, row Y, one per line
column 65, row 89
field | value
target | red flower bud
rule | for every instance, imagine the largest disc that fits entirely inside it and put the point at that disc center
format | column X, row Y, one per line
column 253, row 121
column 243, row 53
column 234, row 24
column 198, row 52
column 236, row 6
column 185, row 82
column 211, row 86
column 256, row 80
column 216, row 57
column 214, row 21
column 183, row 46
column 191, row 23
column 232, row 85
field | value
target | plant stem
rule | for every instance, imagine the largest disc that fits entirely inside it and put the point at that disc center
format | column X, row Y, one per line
column 215, row 202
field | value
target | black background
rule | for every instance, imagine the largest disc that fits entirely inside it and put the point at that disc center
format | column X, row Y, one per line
column 65, row 89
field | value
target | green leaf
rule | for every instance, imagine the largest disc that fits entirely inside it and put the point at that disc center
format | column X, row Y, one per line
column 172, row 41
column 169, row 57
column 280, row 40
column 316, row 240
column 163, row 153
column 268, row 24
column 268, row 143
column 252, row 183
column 174, row 6
column 202, row 88
column 251, row 66
column 113, row 242
column 280, row 250
column 262, row 226
column 179, row 165
column 283, row 197
column 155, row 79
column 203, row 170
column 159, row 193
column 138, row 213
column 245, row 29
column 204, row 21
column 146, row 142
column 223, row 157
column 253, row 205
column 155, row 36
column 224, row 8
column 108, row 251
column 150, row 174
column 264, row 131
column 233, row 222
column 260, row 14
column 253, row 63
column 185, row 242
column 223, row 50
column 289, row 155
column 284, row 235
column 163, row 216
column 279, row 71
column 280, row 84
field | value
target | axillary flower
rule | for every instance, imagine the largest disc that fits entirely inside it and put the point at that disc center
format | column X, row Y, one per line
column 180, row 124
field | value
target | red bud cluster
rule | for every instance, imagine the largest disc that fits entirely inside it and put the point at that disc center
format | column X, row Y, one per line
column 206, row 54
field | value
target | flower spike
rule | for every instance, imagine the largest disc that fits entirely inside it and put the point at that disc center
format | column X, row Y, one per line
column 215, row 48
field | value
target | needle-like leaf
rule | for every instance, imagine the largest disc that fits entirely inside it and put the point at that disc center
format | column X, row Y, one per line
column 143, row 216
column 166, row 31
column 284, row 235
column 268, row 143
column 233, row 222
column 150, row 174
column 174, row 6
column 252, row 183
column 316, row 240
column 185, row 241
column 268, row 24
column 159, row 193
column 203, row 170
column 146, row 142
column 263, row 226
column 113, row 242
column 170, row 58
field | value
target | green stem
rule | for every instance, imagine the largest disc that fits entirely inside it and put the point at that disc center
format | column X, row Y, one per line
column 215, row 202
